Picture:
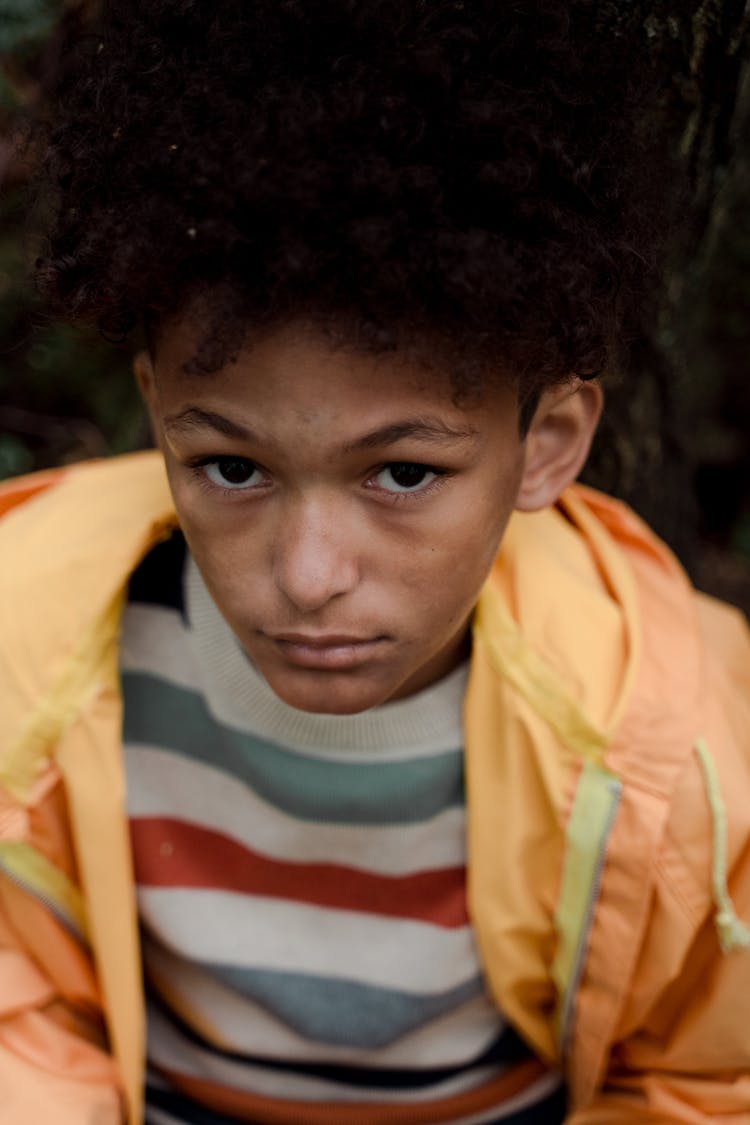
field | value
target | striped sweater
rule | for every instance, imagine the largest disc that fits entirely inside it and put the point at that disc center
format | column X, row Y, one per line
column 301, row 893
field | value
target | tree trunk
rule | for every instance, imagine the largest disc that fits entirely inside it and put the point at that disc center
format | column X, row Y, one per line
column 691, row 412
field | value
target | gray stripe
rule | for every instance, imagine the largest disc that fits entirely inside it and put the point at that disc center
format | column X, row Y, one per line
column 160, row 714
column 343, row 1013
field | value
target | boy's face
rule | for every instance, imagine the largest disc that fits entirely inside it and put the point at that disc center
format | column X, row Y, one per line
column 344, row 510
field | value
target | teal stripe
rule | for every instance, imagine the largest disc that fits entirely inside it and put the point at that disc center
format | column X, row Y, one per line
column 161, row 714
column 342, row 1013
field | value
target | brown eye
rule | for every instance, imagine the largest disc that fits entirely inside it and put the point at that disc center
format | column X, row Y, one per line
column 232, row 472
column 405, row 476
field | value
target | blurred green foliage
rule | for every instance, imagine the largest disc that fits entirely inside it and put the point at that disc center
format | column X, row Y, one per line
column 674, row 441
column 64, row 394
column 26, row 23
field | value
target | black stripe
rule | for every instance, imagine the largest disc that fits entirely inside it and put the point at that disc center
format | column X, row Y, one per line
column 158, row 578
column 185, row 1109
column 550, row 1111
column 508, row 1049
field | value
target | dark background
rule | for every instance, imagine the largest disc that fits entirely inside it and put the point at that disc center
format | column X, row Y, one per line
column 675, row 439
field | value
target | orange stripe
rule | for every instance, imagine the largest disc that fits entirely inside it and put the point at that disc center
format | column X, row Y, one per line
column 173, row 853
column 275, row 1111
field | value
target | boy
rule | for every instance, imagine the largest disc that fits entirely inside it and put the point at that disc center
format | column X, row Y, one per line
column 408, row 808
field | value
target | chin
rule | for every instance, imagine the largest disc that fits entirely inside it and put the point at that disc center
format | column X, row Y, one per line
column 328, row 698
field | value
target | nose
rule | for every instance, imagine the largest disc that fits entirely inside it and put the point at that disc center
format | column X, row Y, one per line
column 314, row 557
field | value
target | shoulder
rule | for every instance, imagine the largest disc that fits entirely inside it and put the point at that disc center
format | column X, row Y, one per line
column 69, row 540
column 76, row 534
column 64, row 526
column 682, row 747
column 79, row 498
column 67, row 551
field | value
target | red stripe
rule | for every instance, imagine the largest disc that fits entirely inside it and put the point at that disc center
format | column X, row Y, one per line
column 175, row 853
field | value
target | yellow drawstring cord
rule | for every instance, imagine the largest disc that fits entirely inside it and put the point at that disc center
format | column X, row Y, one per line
column 733, row 933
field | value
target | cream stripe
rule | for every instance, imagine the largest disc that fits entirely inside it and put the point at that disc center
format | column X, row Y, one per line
column 225, row 928
column 241, row 1025
column 163, row 783
column 171, row 1051
column 155, row 640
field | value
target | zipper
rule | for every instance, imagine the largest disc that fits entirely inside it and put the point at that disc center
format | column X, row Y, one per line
column 584, row 925
column 63, row 917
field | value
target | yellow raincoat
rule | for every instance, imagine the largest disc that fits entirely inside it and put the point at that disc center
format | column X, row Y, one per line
column 607, row 724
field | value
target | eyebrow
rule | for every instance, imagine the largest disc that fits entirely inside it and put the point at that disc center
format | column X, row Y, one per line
column 417, row 429
column 193, row 418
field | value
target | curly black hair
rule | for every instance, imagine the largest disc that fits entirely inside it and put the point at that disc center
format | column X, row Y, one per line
column 460, row 179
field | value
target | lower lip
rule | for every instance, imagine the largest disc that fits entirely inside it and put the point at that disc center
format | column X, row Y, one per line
column 328, row 658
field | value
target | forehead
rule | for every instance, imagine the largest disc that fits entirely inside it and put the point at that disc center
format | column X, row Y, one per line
column 196, row 347
column 300, row 370
column 308, row 368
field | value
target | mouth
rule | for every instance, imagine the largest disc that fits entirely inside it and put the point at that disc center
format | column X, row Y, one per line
column 325, row 651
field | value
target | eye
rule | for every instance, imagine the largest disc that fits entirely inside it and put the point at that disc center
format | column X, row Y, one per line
column 405, row 476
column 232, row 472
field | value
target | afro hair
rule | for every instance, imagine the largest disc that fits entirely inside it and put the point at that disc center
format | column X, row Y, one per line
column 460, row 179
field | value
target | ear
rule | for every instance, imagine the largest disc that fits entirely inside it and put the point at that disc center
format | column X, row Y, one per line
column 143, row 369
column 558, row 442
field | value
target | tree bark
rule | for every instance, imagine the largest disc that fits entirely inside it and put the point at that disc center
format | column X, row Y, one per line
column 689, row 398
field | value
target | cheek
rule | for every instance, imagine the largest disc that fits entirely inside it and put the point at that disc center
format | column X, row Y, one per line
column 467, row 558
column 444, row 579
column 217, row 534
column 228, row 558
column 473, row 537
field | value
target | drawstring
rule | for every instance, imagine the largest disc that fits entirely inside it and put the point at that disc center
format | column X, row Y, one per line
column 733, row 933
